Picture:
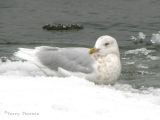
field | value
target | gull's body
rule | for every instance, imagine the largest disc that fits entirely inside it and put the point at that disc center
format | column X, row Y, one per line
column 101, row 64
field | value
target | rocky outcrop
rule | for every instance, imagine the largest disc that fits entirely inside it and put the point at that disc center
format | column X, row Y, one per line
column 61, row 27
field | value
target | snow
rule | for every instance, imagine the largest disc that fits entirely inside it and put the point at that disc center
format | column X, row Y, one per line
column 26, row 96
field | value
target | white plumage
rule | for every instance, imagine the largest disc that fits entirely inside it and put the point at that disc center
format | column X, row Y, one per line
column 101, row 64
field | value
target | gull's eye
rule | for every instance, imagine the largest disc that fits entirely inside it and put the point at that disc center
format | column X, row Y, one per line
column 106, row 44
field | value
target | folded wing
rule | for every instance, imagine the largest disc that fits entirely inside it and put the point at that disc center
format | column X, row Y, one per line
column 71, row 59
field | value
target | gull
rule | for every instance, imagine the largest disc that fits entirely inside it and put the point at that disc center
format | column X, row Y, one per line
column 100, row 64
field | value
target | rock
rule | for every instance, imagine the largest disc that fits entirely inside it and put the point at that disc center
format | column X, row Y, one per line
column 61, row 27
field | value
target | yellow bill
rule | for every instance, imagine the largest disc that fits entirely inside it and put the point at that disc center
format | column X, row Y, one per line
column 92, row 50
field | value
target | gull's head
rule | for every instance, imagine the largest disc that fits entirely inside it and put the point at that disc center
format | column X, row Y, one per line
column 105, row 45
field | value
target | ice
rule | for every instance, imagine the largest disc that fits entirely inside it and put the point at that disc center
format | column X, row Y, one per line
column 31, row 96
column 141, row 35
column 139, row 38
column 143, row 38
column 143, row 51
column 142, row 66
column 153, row 57
column 155, row 39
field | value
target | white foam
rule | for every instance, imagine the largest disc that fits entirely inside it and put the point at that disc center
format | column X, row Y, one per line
column 143, row 51
column 71, row 98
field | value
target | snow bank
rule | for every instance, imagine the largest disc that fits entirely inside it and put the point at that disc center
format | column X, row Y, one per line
column 53, row 98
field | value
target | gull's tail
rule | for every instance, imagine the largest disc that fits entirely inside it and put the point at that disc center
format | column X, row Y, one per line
column 31, row 56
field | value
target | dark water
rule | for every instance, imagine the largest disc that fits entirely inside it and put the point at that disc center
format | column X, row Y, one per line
column 21, row 24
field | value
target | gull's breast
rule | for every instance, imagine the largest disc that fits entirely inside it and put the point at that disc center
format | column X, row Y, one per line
column 108, row 69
